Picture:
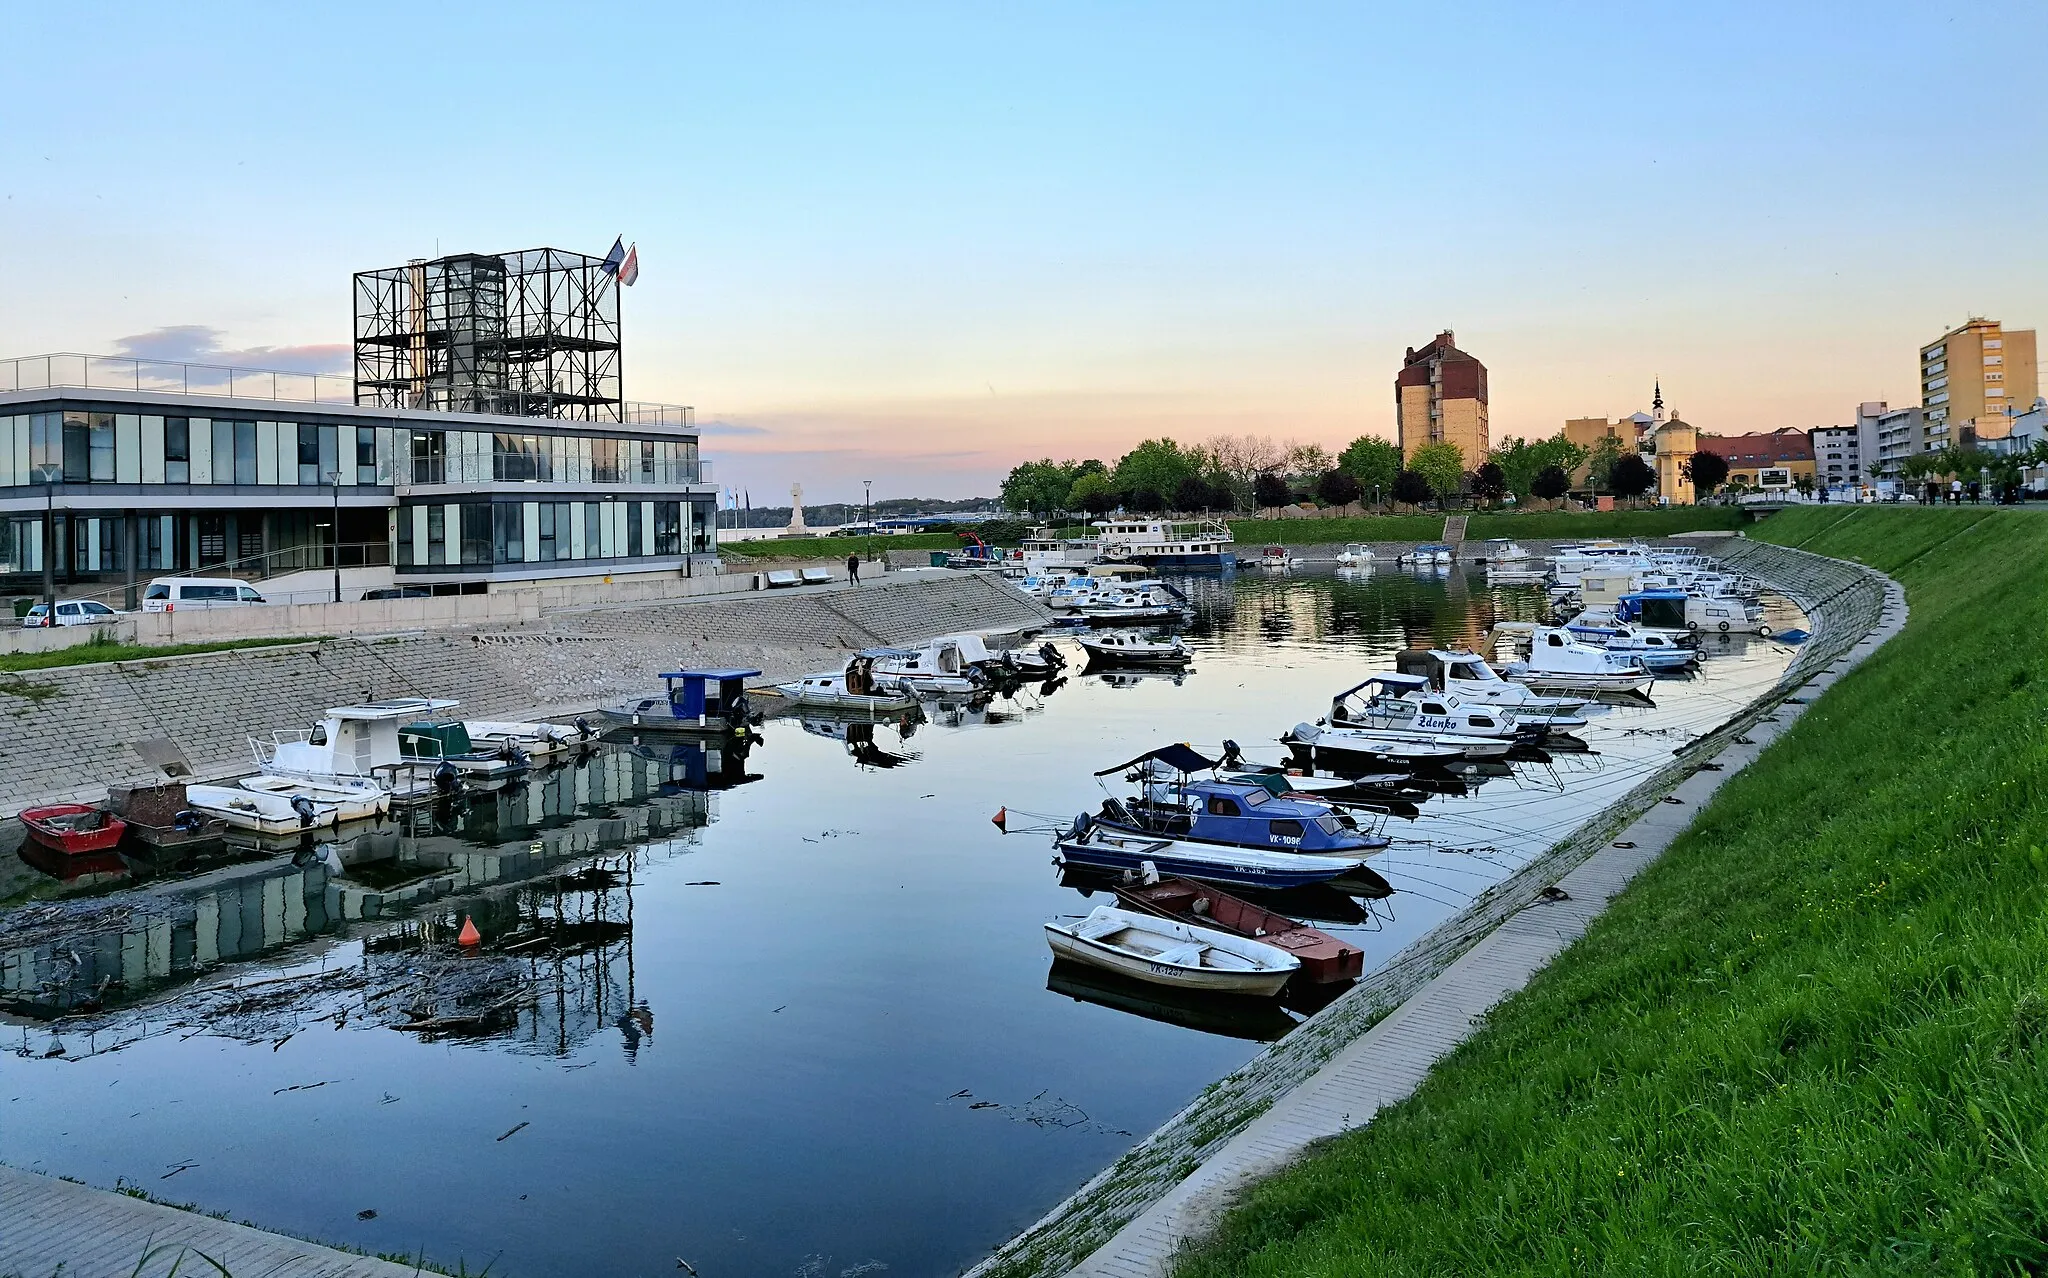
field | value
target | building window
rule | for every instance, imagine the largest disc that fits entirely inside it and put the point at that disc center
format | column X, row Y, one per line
column 245, row 452
column 366, row 455
column 177, row 450
column 405, row 551
column 437, row 535
column 593, row 530
column 668, row 528
column 101, row 446
column 633, row 547
column 604, row 462
column 476, row 532
column 646, row 461
column 546, row 514
column 430, row 464
column 77, row 448
column 309, row 455
column 508, row 532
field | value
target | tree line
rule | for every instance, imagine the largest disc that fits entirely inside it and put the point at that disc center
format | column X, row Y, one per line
column 1235, row 473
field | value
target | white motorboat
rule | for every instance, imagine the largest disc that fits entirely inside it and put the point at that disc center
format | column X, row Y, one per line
column 1426, row 555
column 1501, row 551
column 857, row 687
column 1136, row 603
column 269, row 804
column 1119, row 649
column 1407, row 702
column 1466, row 675
column 939, row 666
column 1556, row 660
column 360, row 744
column 1355, row 555
column 1169, row 952
column 1339, row 749
column 1277, row 557
column 539, row 740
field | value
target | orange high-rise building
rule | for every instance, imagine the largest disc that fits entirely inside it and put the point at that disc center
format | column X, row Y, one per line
column 1440, row 398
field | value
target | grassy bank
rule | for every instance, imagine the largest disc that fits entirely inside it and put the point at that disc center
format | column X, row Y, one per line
column 1812, row 1038
column 85, row 654
column 835, row 547
column 1534, row 523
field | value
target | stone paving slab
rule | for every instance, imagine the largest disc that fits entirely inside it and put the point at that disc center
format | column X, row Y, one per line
column 1389, row 1061
column 50, row 1226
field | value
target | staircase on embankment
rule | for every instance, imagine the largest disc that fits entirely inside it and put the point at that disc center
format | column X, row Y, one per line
column 1454, row 534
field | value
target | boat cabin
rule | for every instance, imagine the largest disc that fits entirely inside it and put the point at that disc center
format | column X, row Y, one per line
column 351, row 741
column 1664, row 609
column 709, row 697
column 1239, row 813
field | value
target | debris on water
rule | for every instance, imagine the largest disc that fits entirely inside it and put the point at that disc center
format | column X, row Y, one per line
column 1555, row 893
column 986, row 1105
column 367, row 1213
column 186, row 1166
column 301, row 1087
column 515, row 1131
column 685, row 1265
column 778, row 1009
column 703, row 883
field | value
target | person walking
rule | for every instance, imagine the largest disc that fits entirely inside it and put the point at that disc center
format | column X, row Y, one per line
column 853, row 568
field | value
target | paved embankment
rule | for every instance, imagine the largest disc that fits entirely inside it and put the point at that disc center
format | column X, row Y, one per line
column 1373, row 1045
column 59, row 1227
column 72, row 730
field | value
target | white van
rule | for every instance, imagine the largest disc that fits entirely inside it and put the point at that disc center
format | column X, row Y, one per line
column 169, row 594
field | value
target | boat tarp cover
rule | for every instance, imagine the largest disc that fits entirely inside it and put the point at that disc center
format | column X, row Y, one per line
column 1178, row 757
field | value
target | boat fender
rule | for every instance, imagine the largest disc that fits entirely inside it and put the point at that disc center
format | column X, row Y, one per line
column 447, row 778
column 304, row 807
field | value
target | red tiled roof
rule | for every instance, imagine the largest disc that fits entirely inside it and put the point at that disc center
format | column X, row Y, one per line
column 1761, row 448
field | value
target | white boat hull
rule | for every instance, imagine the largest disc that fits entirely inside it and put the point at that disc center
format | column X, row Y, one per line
column 1169, row 952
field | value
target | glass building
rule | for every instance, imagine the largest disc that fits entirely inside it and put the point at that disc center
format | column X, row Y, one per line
column 113, row 471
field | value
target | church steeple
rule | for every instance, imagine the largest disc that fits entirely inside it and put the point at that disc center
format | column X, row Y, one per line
column 1657, row 403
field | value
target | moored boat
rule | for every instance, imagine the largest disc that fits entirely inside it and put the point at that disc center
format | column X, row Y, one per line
column 697, row 701
column 1167, row 951
column 268, row 804
column 1106, row 848
column 853, row 688
column 1324, row 958
column 1133, row 650
column 1355, row 554
column 74, row 829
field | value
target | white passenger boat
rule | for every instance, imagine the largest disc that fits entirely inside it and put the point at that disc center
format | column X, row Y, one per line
column 1137, row 603
column 1165, row 543
column 268, row 804
column 1134, row 650
column 1556, row 660
column 1169, row 952
column 1408, row 702
column 1355, row 555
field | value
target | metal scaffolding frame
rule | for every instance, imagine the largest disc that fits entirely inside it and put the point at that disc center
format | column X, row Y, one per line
column 533, row 333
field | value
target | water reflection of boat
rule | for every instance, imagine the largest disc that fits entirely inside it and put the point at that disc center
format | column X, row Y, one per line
column 1236, row 1016
column 1318, row 902
column 1134, row 676
column 703, row 764
column 859, row 739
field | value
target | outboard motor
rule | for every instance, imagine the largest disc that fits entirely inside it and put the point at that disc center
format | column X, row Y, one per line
column 1051, row 652
column 189, row 822
column 1233, row 754
column 304, row 807
column 447, row 778
column 583, row 728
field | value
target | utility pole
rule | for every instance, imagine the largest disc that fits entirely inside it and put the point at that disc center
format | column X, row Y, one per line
column 867, row 516
column 49, row 475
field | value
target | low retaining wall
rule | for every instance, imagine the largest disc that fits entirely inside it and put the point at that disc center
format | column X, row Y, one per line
column 71, row 731
column 1843, row 602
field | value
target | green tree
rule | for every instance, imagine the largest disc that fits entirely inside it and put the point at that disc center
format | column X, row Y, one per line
column 1373, row 462
column 1551, row 483
column 1707, row 471
column 1411, row 488
column 1193, row 493
column 1092, row 492
column 1442, row 467
column 1521, row 460
column 1156, row 466
column 1631, row 476
column 1270, row 490
column 1600, row 463
column 1489, row 483
column 1337, row 487
column 1039, row 487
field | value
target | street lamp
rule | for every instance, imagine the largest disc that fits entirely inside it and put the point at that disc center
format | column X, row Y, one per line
column 867, row 515
column 47, row 475
column 334, row 478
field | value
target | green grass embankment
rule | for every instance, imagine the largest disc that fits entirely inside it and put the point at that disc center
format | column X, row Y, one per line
column 89, row 653
column 1813, row 1038
column 1533, row 523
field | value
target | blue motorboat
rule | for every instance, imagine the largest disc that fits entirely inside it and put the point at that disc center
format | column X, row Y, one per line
column 1105, row 846
column 711, row 701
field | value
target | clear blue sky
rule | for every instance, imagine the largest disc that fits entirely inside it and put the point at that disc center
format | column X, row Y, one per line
column 917, row 244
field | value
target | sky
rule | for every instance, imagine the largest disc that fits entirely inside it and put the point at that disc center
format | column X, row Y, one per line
column 920, row 243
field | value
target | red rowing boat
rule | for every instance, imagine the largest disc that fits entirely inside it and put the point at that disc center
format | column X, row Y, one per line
column 1324, row 958
column 73, row 828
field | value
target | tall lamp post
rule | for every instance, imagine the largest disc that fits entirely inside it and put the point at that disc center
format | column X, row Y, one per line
column 48, row 475
column 334, row 478
column 867, row 515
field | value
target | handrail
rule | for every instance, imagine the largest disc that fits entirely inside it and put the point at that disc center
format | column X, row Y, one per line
column 369, row 554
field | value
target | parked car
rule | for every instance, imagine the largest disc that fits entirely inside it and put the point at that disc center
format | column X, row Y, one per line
column 70, row 612
column 399, row 592
column 169, row 594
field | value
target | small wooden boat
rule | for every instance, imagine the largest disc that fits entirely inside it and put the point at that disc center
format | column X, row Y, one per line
column 1131, row 650
column 160, row 816
column 75, row 829
column 1324, row 958
column 1169, row 952
column 267, row 804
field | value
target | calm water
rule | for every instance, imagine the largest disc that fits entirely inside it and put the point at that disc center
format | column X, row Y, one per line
column 796, row 1025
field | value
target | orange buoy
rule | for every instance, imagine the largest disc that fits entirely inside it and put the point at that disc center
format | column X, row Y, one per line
column 1000, row 819
column 469, row 935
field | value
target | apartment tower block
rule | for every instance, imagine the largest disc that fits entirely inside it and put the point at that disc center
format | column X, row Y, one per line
column 1973, row 379
column 1440, row 398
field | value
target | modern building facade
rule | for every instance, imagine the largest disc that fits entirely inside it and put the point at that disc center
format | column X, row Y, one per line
column 1764, row 459
column 1973, row 379
column 1898, row 433
column 1440, row 398
column 102, row 484
column 1838, row 460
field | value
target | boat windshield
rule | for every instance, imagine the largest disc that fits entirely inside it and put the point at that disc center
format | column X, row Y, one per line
column 1330, row 824
column 1471, row 670
column 1254, row 797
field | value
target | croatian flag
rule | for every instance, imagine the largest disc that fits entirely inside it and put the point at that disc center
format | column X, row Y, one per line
column 614, row 259
column 629, row 270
